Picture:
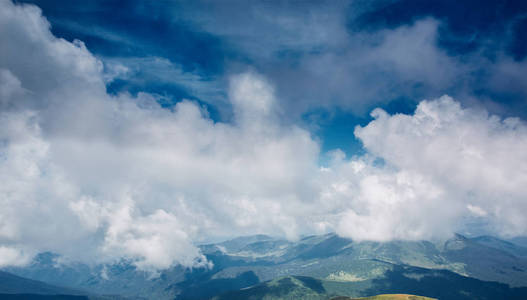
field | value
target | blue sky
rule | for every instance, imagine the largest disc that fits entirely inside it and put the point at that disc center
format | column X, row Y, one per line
column 138, row 129
column 179, row 50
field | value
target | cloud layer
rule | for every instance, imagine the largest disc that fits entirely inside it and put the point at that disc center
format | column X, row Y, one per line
column 98, row 177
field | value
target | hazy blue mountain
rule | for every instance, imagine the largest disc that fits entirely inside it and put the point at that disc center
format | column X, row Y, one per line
column 506, row 246
column 16, row 287
column 41, row 297
column 121, row 278
column 12, row 284
column 488, row 259
column 519, row 240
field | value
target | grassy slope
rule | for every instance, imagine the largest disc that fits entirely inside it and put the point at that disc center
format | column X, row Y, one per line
column 387, row 297
column 399, row 280
column 301, row 287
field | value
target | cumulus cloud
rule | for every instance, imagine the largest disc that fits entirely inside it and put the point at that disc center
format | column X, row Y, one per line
column 425, row 175
column 450, row 161
column 121, row 176
column 97, row 177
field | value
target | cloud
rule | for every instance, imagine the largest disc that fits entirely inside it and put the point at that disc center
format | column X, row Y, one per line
column 350, row 55
column 357, row 73
column 161, row 76
column 99, row 177
column 261, row 30
column 10, row 256
column 359, row 55
column 475, row 162
column 372, row 69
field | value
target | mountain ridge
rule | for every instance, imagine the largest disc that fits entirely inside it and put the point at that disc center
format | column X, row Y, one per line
column 250, row 260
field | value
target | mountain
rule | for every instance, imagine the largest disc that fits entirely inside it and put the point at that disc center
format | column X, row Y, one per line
column 507, row 246
column 519, row 240
column 386, row 297
column 20, row 288
column 40, row 297
column 12, row 284
column 291, row 287
column 330, row 256
column 488, row 258
column 438, row 284
column 249, row 261
column 120, row 278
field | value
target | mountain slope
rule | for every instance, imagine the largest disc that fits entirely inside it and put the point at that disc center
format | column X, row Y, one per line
column 488, row 259
column 12, row 284
column 247, row 261
column 401, row 279
column 386, row 297
column 493, row 242
column 41, row 297
column 330, row 256
column 120, row 278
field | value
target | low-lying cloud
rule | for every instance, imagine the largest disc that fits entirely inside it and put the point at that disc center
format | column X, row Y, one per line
column 97, row 177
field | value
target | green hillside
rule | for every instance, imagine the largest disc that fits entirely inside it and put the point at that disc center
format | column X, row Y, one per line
column 287, row 288
column 400, row 280
column 387, row 297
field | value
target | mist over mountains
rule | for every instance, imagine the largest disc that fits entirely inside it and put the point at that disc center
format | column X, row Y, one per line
column 263, row 149
column 319, row 267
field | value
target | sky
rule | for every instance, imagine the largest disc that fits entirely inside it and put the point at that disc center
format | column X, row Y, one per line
column 138, row 129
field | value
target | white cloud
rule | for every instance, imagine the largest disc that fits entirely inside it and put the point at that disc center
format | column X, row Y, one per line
column 156, row 239
column 472, row 157
column 99, row 178
column 10, row 256
column 476, row 210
